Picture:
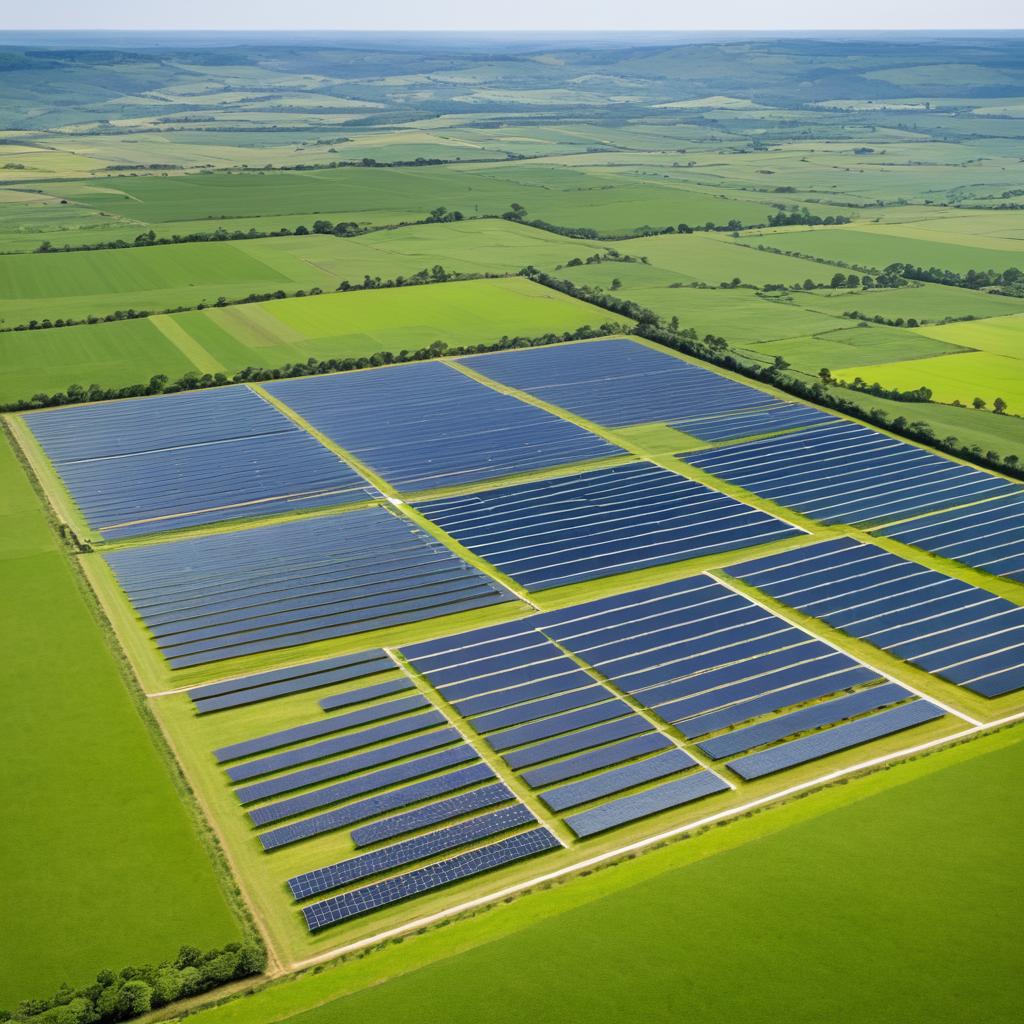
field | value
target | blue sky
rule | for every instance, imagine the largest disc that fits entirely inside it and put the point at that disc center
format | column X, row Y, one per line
column 523, row 15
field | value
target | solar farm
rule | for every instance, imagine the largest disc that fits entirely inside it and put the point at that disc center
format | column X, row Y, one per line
column 423, row 633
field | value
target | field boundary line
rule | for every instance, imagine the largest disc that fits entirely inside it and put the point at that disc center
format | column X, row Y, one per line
column 642, row 844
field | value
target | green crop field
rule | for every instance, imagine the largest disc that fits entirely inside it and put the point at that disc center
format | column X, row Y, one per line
column 953, row 378
column 1001, row 336
column 270, row 334
column 100, row 860
column 868, row 859
column 877, row 250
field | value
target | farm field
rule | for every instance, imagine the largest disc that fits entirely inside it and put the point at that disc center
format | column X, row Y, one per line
column 127, row 900
column 616, row 586
column 270, row 334
column 81, row 284
column 935, row 819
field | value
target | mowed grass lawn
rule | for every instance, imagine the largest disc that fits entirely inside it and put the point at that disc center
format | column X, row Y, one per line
column 894, row 899
column 336, row 325
column 100, row 863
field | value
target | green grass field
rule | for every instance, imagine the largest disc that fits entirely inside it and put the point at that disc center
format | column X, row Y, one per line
column 877, row 250
column 1001, row 336
column 101, row 863
column 269, row 334
column 891, row 898
column 961, row 377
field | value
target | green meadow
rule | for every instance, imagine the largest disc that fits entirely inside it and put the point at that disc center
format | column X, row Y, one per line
column 270, row 334
column 1002, row 336
column 101, row 862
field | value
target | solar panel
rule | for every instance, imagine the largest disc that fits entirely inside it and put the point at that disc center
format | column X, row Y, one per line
column 322, row 727
column 772, row 417
column 989, row 536
column 408, row 851
column 814, row 717
column 434, row 876
column 343, row 766
column 427, row 425
column 374, row 805
column 617, row 382
column 593, row 760
column 848, row 473
column 431, row 814
column 842, row 737
column 520, row 713
column 362, row 784
column 615, row 780
column 225, row 595
column 335, row 745
column 959, row 632
column 624, row 809
column 569, row 721
column 365, row 693
column 550, row 533
column 629, row 725
column 166, row 462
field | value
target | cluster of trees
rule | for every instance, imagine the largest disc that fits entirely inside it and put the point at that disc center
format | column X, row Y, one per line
column 134, row 991
column 442, row 215
column 160, row 384
column 801, row 215
column 428, row 275
column 887, row 321
column 610, row 256
column 716, row 350
column 1010, row 281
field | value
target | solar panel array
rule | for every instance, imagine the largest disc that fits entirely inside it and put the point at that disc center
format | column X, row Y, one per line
column 221, row 596
column 989, row 536
column 427, row 425
column 956, row 631
column 280, row 682
column 618, row 382
column 772, row 417
column 550, row 533
column 404, row 774
column 547, row 717
column 433, row 876
column 170, row 461
column 847, row 473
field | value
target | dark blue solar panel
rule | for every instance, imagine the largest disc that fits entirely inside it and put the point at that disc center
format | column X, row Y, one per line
column 336, row 745
column 557, row 724
column 631, row 725
column 172, row 461
column 594, row 760
column 848, row 473
column 431, row 814
column 401, row 854
column 516, row 694
column 539, row 708
column 842, row 737
column 346, row 765
column 815, row 717
column 322, row 727
column 364, row 693
column 362, row 784
column 989, row 536
column 427, row 425
column 775, row 416
column 434, row 876
column 944, row 626
column 178, row 587
column 632, row 807
column 616, row 780
column 372, row 806
column 776, row 700
column 617, row 382
column 550, row 533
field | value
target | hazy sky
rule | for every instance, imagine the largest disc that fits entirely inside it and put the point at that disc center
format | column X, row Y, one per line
column 522, row 15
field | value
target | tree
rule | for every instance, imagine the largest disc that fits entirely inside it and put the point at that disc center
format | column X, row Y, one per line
column 978, row 403
column 838, row 280
column 826, row 375
column 999, row 406
column 779, row 364
column 616, row 284
column 135, row 998
column 808, row 285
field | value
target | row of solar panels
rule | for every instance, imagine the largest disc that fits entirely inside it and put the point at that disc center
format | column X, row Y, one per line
column 225, row 595
column 385, row 764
